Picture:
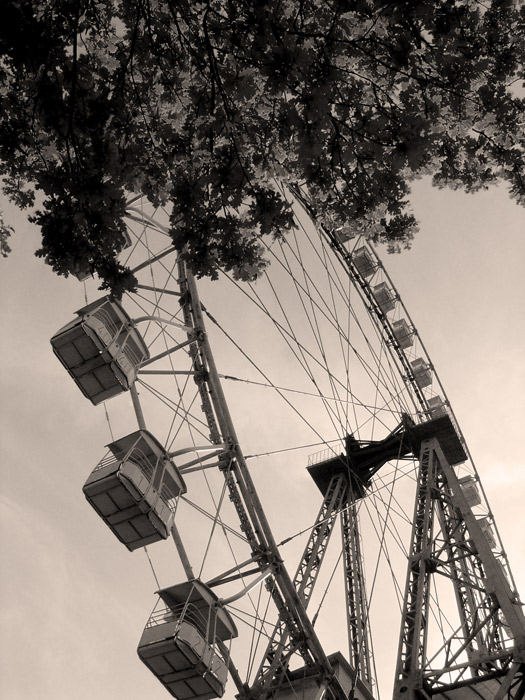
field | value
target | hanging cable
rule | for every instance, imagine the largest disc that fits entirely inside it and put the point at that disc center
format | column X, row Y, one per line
column 152, row 568
column 216, row 520
column 108, row 422
column 314, row 618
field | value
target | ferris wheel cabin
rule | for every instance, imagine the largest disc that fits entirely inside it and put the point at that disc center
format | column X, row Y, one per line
column 422, row 372
column 82, row 274
column 101, row 350
column 365, row 264
column 402, row 333
column 184, row 642
column 134, row 490
column 384, row 297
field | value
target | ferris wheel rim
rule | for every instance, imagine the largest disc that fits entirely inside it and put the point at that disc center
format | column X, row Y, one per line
column 382, row 322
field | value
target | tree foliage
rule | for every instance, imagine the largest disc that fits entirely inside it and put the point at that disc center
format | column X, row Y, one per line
column 206, row 106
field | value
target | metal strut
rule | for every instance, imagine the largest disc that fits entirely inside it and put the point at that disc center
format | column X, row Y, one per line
column 485, row 656
column 243, row 494
column 342, row 479
column 356, row 604
column 281, row 647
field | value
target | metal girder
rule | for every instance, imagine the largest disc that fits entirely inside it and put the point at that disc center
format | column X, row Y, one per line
column 356, row 604
column 281, row 646
column 484, row 656
column 342, row 479
column 480, row 625
column 412, row 646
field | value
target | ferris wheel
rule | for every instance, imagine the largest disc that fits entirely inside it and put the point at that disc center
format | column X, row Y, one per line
column 294, row 450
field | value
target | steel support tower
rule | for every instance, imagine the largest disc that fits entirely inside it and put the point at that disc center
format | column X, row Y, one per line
column 484, row 656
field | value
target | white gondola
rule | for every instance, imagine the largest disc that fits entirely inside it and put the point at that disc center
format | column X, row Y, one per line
column 184, row 643
column 101, row 350
column 402, row 333
column 364, row 262
column 342, row 236
column 422, row 373
column 437, row 407
column 488, row 531
column 470, row 490
column 82, row 276
column 384, row 297
column 134, row 490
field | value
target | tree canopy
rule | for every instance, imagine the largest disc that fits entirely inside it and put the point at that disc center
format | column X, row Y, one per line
column 207, row 106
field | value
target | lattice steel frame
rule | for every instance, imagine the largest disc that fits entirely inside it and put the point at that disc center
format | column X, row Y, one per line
column 485, row 599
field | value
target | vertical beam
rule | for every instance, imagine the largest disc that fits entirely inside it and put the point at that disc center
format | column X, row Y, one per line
column 466, row 572
column 411, row 651
column 461, row 553
column 280, row 646
column 356, row 606
column 315, row 549
column 496, row 583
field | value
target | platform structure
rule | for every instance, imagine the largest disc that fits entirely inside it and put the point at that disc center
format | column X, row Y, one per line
column 484, row 657
column 487, row 647
column 343, row 479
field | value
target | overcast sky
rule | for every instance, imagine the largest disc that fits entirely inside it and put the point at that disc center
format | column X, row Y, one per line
column 74, row 602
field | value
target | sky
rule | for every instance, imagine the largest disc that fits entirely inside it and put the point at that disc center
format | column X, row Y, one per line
column 73, row 600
